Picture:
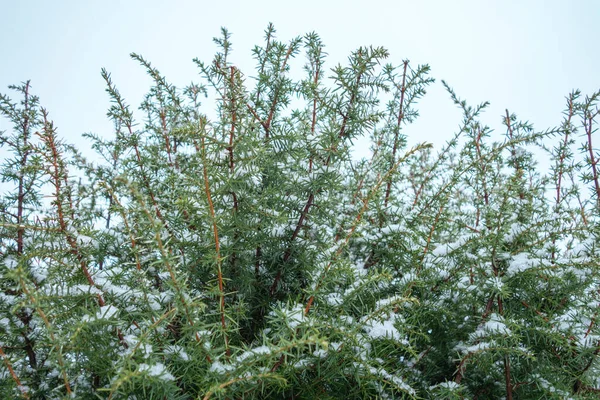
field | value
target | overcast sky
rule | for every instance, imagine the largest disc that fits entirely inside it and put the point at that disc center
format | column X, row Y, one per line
column 522, row 55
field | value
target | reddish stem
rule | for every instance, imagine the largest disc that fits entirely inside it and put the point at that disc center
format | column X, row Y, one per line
column 14, row 376
column 588, row 130
column 21, row 194
column 58, row 173
column 276, row 96
column 217, row 247
column 397, row 133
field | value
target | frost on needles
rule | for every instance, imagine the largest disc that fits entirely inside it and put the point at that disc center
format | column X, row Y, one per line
column 224, row 243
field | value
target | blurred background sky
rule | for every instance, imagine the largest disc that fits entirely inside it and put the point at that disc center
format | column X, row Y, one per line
column 522, row 55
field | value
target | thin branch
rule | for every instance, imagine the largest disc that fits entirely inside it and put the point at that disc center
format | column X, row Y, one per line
column 217, row 247
column 13, row 375
column 397, row 133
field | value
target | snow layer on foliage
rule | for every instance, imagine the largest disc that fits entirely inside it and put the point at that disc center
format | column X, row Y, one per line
column 302, row 363
column 177, row 350
column 360, row 270
column 519, row 263
column 5, row 323
column 10, row 263
column 253, row 352
column 515, row 230
column 39, row 270
column 86, row 240
column 127, row 294
column 576, row 323
column 385, row 329
column 444, row 249
column 396, row 380
column 495, row 283
column 495, row 324
column 583, row 249
column 107, row 312
column 478, row 347
column 71, row 290
column 335, row 345
column 157, row 370
column 294, row 316
column 461, row 348
column 447, row 385
column 549, row 387
column 131, row 341
column 320, row 353
column 387, row 301
column 221, row 368
column 104, row 279
column 391, row 228
column 146, row 349
column 334, row 299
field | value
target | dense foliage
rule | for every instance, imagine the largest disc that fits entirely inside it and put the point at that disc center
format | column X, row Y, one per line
column 243, row 252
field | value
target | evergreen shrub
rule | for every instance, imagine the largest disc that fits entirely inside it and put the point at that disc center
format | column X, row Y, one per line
column 238, row 250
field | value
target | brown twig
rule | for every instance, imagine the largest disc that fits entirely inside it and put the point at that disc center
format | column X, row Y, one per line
column 313, row 123
column 267, row 125
column 58, row 172
column 588, row 120
column 24, row 317
column 513, row 151
column 507, row 379
column 217, row 247
column 233, row 121
column 562, row 156
column 578, row 383
column 486, row 196
column 126, row 119
column 288, row 251
column 431, row 232
column 14, row 376
column 230, row 151
column 397, row 132
column 23, row 162
column 165, row 134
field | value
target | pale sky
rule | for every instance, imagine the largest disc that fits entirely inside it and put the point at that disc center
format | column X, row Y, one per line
column 522, row 55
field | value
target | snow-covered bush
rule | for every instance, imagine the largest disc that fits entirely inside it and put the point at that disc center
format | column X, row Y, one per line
column 243, row 253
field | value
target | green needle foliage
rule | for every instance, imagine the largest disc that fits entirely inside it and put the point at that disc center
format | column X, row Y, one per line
column 238, row 250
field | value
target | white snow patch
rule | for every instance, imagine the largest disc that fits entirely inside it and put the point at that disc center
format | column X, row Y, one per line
column 334, row 299
column 478, row 347
column 448, row 385
column 253, row 352
column 107, row 312
column 495, row 324
column 444, row 249
column 384, row 329
column 158, row 370
column 5, row 323
column 10, row 263
column 515, row 230
column 320, row 353
column 294, row 316
column 220, row 368
column 519, row 263
column 392, row 378
column 177, row 350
